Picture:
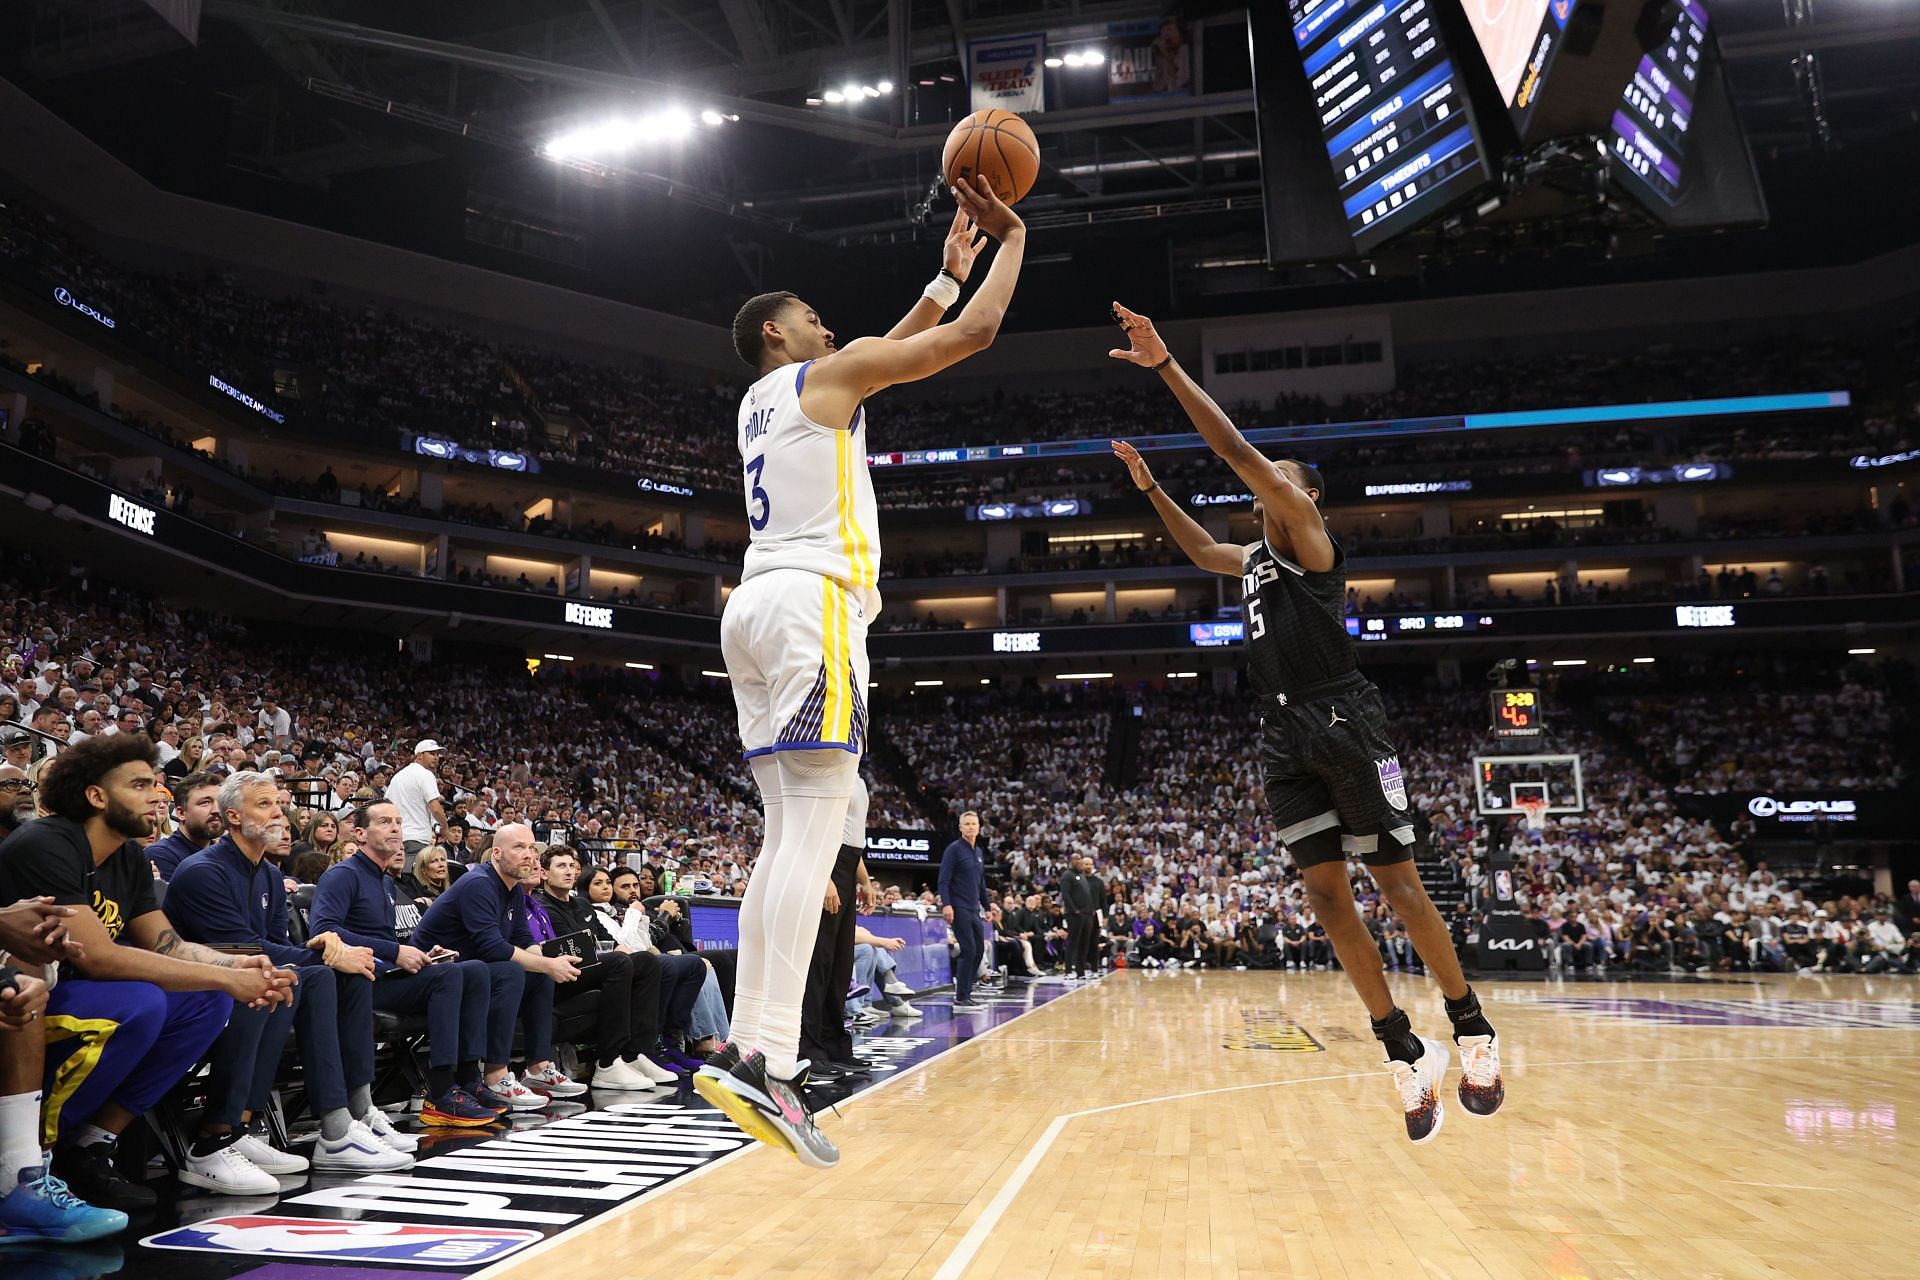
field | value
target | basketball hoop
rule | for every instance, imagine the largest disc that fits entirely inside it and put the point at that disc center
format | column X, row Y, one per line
column 1534, row 810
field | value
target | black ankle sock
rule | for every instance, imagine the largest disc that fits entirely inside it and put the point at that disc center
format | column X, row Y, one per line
column 1395, row 1031
column 208, row 1143
column 439, row 1081
column 1466, row 1016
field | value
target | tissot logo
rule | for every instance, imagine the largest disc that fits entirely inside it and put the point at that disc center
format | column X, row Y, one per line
column 586, row 615
column 131, row 514
column 1803, row 810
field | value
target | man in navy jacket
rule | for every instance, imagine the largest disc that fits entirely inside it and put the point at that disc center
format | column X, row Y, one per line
column 483, row 916
column 962, row 879
column 356, row 900
column 227, row 895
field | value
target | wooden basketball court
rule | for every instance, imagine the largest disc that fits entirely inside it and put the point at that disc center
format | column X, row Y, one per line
column 1238, row 1124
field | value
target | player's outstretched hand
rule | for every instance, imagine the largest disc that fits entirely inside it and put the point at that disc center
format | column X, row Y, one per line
column 962, row 247
column 1136, row 465
column 1144, row 346
column 978, row 202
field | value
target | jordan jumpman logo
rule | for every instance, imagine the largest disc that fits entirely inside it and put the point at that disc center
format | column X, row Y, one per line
column 1334, row 717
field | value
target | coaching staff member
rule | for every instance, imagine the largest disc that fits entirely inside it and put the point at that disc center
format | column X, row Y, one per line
column 963, row 876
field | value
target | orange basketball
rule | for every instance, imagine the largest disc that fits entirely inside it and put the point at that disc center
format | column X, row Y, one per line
column 997, row 145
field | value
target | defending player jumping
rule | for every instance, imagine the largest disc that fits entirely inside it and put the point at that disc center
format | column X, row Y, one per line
column 794, row 633
column 1332, row 772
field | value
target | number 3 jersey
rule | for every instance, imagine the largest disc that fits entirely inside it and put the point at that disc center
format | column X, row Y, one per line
column 1295, row 621
column 809, row 499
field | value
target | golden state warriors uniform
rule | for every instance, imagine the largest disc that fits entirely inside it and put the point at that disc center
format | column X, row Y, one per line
column 794, row 633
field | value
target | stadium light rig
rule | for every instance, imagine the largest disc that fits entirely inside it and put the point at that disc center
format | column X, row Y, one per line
column 1078, row 58
column 622, row 134
column 853, row 92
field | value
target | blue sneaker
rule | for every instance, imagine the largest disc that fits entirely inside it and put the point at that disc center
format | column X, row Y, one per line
column 42, row 1209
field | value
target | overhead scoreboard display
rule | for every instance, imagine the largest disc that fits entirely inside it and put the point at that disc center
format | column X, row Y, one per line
column 1650, row 126
column 1516, row 713
column 1398, row 133
column 1520, row 40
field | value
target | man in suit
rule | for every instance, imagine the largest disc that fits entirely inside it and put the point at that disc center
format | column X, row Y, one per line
column 1906, row 909
column 1080, row 894
column 962, row 882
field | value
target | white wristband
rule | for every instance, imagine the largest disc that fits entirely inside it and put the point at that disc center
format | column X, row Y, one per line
column 943, row 289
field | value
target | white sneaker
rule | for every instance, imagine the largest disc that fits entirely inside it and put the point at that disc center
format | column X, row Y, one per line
column 895, row 987
column 553, row 1082
column 651, row 1070
column 229, row 1173
column 1419, row 1086
column 618, row 1075
column 518, row 1096
column 383, row 1129
column 266, row 1156
column 1481, row 1088
column 360, row 1150
column 904, row 1010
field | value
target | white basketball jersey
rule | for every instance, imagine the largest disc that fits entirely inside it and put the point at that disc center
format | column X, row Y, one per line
column 809, row 499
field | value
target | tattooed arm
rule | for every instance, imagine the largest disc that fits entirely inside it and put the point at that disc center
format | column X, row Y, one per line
column 248, row 979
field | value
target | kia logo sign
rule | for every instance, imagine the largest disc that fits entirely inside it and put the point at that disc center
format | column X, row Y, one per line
column 1510, row 944
column 1803, row 810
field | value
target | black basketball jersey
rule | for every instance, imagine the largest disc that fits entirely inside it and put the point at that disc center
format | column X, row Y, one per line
column 1295, row 619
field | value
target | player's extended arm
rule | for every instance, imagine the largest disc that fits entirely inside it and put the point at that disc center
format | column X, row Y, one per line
column 840, row 381
column 956, row 264
column 1227, row 558
column 1283, row 501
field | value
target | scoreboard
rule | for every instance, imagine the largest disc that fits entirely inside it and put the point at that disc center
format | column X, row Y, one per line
column 1516, row 713
column 1394, row 120
column 1649, row 128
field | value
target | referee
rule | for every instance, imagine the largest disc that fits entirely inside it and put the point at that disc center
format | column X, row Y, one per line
column 962, row 879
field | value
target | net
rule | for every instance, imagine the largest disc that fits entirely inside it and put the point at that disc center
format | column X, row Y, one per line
column 1534, row 810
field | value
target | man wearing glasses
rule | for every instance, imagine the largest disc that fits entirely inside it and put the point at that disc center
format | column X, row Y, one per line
column 16, row 798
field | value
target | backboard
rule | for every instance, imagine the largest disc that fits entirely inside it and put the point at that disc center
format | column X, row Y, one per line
column 1500, row 783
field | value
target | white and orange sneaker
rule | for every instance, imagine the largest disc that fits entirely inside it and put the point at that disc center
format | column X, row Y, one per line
column 1481, row 1088
column 1419, row 1086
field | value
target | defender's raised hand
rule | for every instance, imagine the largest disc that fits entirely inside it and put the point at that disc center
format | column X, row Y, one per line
column 1144, row 346
column 1136, row 465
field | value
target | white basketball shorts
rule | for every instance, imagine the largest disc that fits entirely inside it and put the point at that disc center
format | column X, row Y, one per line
column 795, row 645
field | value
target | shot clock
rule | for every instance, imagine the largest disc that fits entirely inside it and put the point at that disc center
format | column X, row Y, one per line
column 1516, row 713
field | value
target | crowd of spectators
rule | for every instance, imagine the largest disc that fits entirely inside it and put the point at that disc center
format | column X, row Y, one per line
column 372, row 374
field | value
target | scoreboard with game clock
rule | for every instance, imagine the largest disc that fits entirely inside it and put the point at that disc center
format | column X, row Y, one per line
column 1516, row 713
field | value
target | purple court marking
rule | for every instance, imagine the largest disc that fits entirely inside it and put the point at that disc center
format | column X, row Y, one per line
column 678, row 1135
column 1860, row 1015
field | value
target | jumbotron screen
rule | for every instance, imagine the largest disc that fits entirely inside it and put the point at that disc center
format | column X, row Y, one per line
column 1398, row 133
column 1519, row 39
column 1651, row 124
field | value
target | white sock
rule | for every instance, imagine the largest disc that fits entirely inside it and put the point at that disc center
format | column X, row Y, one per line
column 815, row 788
column 19, row 1138
column 90, row 1135
column 749, row 983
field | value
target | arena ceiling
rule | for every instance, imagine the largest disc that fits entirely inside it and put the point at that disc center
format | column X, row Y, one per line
column 424, row 124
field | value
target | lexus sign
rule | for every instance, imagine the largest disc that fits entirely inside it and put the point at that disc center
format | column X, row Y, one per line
column 1803, row 810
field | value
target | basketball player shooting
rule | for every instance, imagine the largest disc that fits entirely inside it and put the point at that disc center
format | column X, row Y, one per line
column 794, row 632
column 1332, row 772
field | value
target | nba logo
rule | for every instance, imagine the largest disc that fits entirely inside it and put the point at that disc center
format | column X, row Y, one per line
column 1393, row 784
column 1503, row 885
column 340, row 1241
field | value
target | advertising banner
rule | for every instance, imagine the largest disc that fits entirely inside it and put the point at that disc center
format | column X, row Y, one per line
column 1830, row 815
column 1148, row 59
column 1006, row 73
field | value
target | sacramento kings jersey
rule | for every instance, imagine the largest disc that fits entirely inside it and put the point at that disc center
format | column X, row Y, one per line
column 809, row 499
column 1295, row 620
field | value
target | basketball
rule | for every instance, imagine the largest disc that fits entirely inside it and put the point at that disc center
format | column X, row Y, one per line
column 998, row 145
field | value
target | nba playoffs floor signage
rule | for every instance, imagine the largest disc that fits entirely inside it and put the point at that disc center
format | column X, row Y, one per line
column 1273, row 1031
column 471, row 1200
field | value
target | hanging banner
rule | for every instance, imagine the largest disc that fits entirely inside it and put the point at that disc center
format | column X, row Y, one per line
column 1148, row 59
column 1006, row 73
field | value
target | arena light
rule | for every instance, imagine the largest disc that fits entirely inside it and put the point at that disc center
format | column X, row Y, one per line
column 986, row 679
column 1641, row 662
column 710, row 116
column 640, row 666
column 851, row 92
column 928, row 684
column 886, row 86
column 1569, row 662
column 1182, row 675
column 814, row 102
column 1056, row 62
column 1861, row 653
column 835, row 97
column 558, row 657
column 621, row 134
column 1086, row 675
column 714, row 675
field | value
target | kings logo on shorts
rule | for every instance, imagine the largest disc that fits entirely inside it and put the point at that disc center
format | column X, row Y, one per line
column 1393, row 784
column 338, row 1241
